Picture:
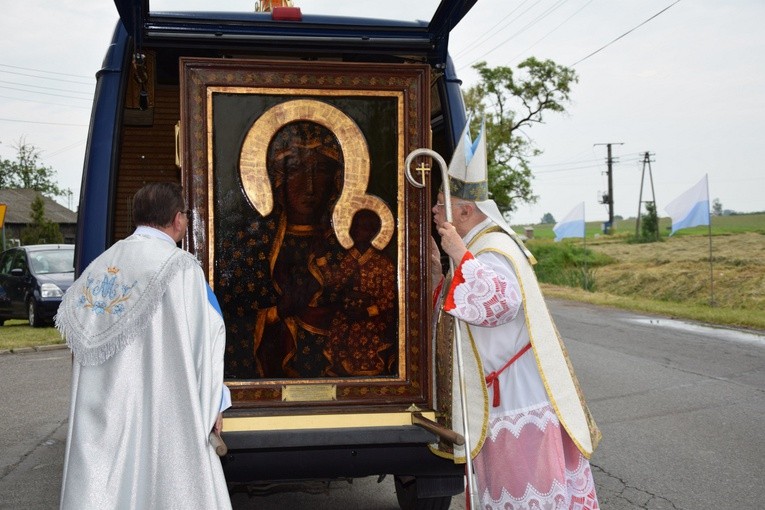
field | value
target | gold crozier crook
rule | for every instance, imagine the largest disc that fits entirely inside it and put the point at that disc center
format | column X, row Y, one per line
column 457, row 333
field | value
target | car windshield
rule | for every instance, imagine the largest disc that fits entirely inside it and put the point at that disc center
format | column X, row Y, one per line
column 400, row 10
column 52, row 261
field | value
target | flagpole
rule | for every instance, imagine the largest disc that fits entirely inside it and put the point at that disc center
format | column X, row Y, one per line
column 709, row 233
column 584, row 247
column 711, row 270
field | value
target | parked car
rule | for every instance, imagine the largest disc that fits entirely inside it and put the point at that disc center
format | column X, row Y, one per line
column 32, row 280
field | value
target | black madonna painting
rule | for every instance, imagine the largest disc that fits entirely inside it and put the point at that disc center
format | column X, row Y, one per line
column 312, row 236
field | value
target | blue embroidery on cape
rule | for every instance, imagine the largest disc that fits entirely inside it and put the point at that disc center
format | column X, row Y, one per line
column 105, row 294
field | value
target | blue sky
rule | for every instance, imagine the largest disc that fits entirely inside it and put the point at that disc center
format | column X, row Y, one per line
column 686, row 86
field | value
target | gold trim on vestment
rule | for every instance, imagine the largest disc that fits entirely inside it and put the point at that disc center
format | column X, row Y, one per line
column 457, row 424
column 484, row 392
column 594, row 432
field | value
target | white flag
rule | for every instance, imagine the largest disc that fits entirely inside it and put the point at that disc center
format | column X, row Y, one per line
column 691, row 208
column 572, row 225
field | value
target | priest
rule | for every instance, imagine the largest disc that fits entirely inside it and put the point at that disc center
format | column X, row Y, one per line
column 148, row 339
column 530, row 429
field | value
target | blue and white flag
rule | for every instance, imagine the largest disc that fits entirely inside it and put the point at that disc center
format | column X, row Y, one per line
column 691, row 208
column 572, row 225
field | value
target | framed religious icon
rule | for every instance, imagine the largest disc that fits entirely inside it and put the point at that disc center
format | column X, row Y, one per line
column 311, row 238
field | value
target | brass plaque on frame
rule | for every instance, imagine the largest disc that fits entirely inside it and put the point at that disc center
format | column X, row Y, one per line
column 309, row 392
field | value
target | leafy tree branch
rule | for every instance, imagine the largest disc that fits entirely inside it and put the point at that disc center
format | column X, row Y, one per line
column 509, row 101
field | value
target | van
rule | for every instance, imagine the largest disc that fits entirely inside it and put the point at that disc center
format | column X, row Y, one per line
column 288, row 131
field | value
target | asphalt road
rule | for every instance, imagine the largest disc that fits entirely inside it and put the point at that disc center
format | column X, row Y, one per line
column 680, row 408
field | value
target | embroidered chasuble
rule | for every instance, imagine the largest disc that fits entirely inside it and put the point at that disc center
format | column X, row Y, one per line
column 530, row 450
column 148, row 342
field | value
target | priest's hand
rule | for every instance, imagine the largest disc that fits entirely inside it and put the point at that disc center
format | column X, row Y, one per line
column 451, row 242
column 218, row 426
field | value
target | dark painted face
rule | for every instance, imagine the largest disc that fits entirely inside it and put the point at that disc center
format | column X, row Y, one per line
column 305, row 164
column 364, row 227
column 310, row 186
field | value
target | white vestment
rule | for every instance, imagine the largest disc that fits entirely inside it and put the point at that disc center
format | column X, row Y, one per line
column 530, row 450
column 148, row 341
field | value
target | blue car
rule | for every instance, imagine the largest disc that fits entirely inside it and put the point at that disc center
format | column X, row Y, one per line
column 32, row 280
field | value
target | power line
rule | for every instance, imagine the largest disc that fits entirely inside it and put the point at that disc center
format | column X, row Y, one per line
column 550, row 32
column 46, row 93
column 47, row 123
column 44, row 102
column 585, row 167
column 523, row 29
column 491, row 32
column 43, row 71
column 64, row 149
column 45, row 88
column 569, row 162
column 48, row 78
column 624, row 34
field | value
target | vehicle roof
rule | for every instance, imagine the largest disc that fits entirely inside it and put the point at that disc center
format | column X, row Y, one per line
column 43, row 247
column 431, row 36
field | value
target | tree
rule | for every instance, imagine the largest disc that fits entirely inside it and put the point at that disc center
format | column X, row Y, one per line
column 41, row 230
column 649, row 228
column 547, row 219
column 27, row 171
column 508, row 104
column 717, row 209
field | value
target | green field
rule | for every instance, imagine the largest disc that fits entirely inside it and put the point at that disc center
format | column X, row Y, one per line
column 672, row 277
column 721, row 225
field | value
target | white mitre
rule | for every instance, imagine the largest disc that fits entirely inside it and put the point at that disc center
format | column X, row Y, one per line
column 469, row 179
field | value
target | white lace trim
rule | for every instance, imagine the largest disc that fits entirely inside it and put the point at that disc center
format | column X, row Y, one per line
column 576, row 495
column 485, row 298
column 540, row 416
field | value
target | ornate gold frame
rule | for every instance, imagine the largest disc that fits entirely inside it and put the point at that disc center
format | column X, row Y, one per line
column 308, row 89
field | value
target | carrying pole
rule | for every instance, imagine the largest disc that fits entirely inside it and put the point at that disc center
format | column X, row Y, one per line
column 473, row 499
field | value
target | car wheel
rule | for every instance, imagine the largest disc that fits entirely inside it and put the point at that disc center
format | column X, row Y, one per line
column 34, row 318
column 406, row 493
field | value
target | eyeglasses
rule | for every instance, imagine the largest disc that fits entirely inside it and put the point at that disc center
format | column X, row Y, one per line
column 441, row 204
column 187, row 212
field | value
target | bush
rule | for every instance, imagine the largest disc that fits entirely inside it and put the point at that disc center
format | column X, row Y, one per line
column 566, row 263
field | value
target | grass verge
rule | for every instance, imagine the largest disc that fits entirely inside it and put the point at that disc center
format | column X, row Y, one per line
column 739, row 318
column 17, row 333
column 673, row 278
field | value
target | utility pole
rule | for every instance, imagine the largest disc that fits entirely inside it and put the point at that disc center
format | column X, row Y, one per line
column 646, row 161
column 609, row 197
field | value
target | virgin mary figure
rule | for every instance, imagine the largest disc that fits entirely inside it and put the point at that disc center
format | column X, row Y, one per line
column 305, row 167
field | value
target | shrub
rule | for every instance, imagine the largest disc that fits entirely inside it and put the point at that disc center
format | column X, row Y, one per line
column 566, row 263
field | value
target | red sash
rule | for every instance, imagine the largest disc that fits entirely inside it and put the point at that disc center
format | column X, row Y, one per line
column 493, row 378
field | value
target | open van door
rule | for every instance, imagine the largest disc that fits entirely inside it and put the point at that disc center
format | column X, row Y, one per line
column 289, row 136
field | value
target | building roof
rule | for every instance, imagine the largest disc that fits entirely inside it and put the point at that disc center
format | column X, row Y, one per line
column 19, row 207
